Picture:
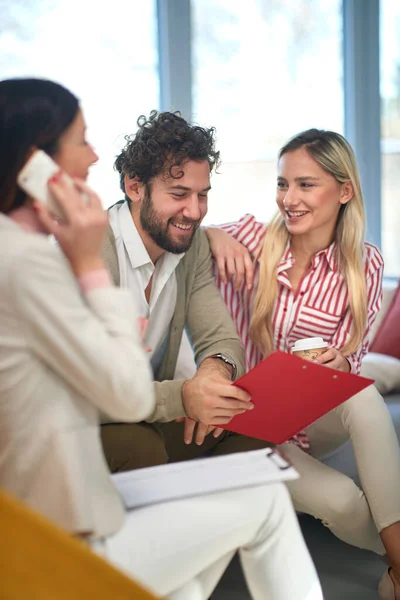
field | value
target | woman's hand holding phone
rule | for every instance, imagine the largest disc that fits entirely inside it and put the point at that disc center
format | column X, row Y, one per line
column 81, row 233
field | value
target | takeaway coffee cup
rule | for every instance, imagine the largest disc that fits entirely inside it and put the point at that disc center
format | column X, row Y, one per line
column 309, row 348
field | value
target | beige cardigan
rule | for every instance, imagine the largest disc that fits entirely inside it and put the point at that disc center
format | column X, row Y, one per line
column 63, row 358
column 199, row 308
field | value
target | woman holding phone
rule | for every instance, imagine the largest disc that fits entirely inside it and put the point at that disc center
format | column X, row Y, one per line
column 314, row 276
column 70, row 348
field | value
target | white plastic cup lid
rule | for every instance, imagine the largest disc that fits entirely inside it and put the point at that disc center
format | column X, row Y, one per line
column 309, row 344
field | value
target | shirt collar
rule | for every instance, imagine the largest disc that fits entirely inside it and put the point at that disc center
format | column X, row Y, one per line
column 328, row 254
column 287, row 260
column 331, row 256
column 125, row 229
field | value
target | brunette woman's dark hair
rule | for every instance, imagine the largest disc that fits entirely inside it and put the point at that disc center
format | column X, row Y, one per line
column 33, row 114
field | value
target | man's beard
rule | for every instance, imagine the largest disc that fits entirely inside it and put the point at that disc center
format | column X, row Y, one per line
column 152, row 223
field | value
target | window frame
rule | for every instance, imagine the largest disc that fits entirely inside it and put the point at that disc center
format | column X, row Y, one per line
column 362, row 114
column 362, row 110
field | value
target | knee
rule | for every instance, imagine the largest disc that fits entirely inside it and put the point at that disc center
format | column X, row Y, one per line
column 271, row 501
column 131, row 446
column 343, row 506
column 367, row 405
column 276, row 498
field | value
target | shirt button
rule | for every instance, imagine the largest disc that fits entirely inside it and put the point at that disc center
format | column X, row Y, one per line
column 285, row 309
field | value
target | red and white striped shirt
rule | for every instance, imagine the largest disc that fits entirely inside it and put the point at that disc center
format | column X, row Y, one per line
column 320, row 307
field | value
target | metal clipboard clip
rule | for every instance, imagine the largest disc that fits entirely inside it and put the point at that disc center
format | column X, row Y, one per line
column 278, row 460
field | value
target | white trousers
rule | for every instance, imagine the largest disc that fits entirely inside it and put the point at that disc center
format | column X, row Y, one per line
column 180, row 549
column 354, row 515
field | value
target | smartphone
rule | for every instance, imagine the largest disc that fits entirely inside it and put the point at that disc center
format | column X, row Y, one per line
column 34, row 177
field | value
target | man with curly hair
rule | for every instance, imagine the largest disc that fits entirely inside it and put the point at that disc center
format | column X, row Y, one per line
column 156, row 248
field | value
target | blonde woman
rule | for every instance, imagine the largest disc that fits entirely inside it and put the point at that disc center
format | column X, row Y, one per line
column 310, row 273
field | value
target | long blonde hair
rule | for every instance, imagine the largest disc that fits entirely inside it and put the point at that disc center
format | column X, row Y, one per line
column 335, row 155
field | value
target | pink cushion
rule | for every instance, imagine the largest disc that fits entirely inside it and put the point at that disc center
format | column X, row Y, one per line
column 387, row 338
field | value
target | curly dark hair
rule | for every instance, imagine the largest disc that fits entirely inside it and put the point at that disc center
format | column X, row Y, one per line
column 163, row 141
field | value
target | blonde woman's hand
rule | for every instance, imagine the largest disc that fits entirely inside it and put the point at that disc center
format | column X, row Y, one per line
column 334, row 359
column 81, row 234
column 232, row 258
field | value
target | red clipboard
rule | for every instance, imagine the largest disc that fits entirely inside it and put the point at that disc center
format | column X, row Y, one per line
column 289, row 394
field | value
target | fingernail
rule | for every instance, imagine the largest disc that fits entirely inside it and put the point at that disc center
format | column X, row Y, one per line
column 187, row 441
column 251, row 406
column 54, row 178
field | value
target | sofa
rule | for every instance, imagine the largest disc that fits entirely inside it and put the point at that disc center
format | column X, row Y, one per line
column 384, row 370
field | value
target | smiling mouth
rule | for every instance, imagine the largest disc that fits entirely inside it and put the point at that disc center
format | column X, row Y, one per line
column 183, row 226
column 296, row 214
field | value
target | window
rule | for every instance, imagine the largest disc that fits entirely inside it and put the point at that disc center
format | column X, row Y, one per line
column 262, row 72
column 106, row 53
column 390, row 126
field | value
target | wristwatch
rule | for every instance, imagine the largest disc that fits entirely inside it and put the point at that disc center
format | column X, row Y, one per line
column 229, row 361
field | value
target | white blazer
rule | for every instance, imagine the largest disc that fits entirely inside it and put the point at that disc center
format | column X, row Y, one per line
column 63, row 358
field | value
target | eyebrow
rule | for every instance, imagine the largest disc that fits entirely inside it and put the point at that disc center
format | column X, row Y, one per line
column 187, row 189
column 306, row 178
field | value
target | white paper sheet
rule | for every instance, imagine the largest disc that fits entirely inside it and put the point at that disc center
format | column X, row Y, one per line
column 203, row 476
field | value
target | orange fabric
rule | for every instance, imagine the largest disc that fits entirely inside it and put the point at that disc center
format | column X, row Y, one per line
column 39, row 561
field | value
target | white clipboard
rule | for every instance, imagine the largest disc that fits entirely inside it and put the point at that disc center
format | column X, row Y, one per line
column 175, row 481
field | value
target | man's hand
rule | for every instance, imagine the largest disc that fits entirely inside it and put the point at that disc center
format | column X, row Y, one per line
column 210, row 394
column 201, row 432
column 212, row 400
column 333, row 359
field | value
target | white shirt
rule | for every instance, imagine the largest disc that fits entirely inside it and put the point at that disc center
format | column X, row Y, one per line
column 136, row 270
